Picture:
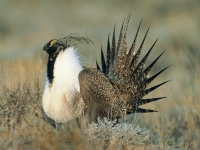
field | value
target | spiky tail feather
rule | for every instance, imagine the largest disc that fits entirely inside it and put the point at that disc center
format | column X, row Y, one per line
column 125, row 73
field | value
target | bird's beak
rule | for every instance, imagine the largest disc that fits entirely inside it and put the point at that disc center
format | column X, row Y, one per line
column 45, row 48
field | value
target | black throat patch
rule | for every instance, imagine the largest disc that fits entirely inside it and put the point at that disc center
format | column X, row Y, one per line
column 50, row 68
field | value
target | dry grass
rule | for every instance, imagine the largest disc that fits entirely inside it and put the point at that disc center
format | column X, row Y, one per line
column 26, row 26
column 23, row 125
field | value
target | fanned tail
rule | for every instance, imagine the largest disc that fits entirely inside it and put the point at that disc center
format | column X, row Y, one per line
column 103, row 63
column 128, row 75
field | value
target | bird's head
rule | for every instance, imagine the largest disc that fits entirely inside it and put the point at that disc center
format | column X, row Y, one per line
column 53, row 47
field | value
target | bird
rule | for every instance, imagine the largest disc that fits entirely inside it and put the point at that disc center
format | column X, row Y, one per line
column 113, row 89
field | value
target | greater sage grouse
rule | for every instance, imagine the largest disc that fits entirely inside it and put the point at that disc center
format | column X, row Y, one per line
column 113, row 91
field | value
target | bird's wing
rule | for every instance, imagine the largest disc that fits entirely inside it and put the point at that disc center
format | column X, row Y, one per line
column 99, row 94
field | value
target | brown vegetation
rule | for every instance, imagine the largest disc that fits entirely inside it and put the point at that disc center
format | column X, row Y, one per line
column 24, row 30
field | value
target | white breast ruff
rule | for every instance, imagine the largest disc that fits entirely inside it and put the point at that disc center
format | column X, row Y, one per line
column 58, row 99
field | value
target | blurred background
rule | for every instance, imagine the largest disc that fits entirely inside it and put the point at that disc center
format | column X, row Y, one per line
column 26, row 26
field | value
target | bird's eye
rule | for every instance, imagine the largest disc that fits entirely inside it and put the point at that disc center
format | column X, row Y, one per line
column 52, row 42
